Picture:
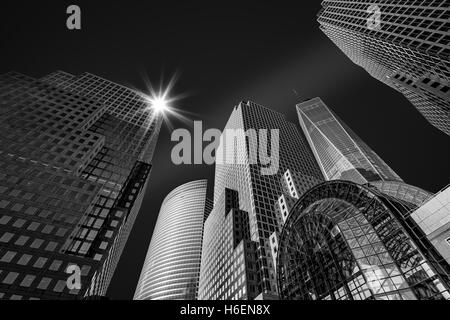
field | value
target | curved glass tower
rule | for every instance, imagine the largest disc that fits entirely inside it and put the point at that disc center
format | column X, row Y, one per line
column 172, row 266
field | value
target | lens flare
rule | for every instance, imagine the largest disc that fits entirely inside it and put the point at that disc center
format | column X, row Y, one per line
column 159, row 104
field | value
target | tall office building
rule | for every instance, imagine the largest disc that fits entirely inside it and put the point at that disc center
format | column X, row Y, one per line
column 344, row 241
column 403, row 44
column 172, row 267
column 340, row 153
column 75, row 155
column 239, row 175
column 228, row 269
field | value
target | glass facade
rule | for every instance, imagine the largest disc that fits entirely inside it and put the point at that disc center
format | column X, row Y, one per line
column 172, row 267
column 294, row 186
column 402, row 191
column 258, row 194
column 340, row 153
column 228, row 267
column 344, row 241
column 75, row 155
column 409, row 50
column 433, row 218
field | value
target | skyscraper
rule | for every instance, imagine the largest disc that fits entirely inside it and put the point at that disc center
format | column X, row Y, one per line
column 75, row 156
column 172, row 266
column 403, row 44
column 340, row 153
column 239, row 176
column 228, row 269
column 344, row 241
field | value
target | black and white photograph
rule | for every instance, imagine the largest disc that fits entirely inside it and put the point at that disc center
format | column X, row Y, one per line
column 215, row 159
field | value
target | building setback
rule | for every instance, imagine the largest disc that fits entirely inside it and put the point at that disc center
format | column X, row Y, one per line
column 223, row 259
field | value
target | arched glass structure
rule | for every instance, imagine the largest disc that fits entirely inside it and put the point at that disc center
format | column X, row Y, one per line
column 344, row 241
column 403, row 191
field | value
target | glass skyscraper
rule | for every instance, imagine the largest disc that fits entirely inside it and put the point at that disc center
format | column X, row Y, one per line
column 404, row 44
column 172, row 267
column 75, row 159
column 340, row 153
column 344, row 241
column 241, row 188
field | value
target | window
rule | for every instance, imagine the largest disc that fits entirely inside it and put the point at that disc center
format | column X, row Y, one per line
column 10, row 278
column 8, row 256
column 60, row 286
column 33, row 226
column 6, row 237
column 47, row 229
column 5, row 219
column 19, row 223
column 31, row 210
column 40, row 262
column 61, row 232
column 17, row 207
column 56, row 265
column 4, row 204
column 37, row 243
column 85, row 270
column 28, row 280
column 45, row 282
column 22, row 240
column 97, row 257
column 51, row 246
column 24, row 260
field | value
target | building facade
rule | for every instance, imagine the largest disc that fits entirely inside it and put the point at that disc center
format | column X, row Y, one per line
column 344, row 241
column 340, row 153
column 403, row 44
column 402, row 191
column 75, row 156
column 433, row 218
column 257, row 193
column 172, row 267
column 294, row 185
column 228, row 267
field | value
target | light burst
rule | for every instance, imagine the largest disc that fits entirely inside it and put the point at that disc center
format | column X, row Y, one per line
column 161, row 101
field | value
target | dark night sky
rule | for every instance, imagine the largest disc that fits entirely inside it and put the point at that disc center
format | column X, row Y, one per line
column 225, row 52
